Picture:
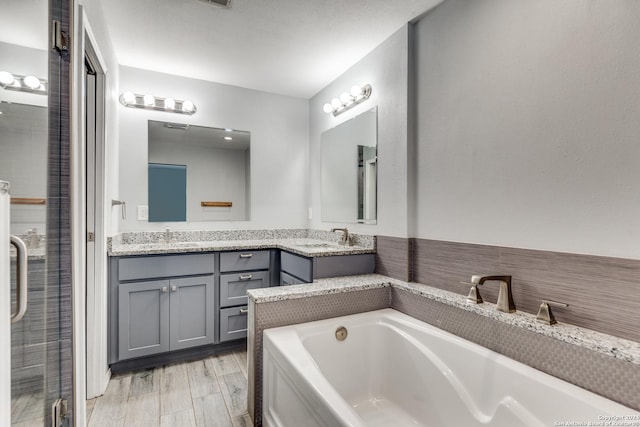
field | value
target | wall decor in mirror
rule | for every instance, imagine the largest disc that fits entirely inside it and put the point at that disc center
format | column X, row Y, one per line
column 349, row 170
column 198, row 173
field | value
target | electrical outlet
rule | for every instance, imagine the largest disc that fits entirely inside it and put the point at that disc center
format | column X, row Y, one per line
column 309, row 213
column 143, row 213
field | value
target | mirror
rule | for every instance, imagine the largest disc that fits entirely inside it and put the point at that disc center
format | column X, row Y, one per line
column 23, row 162
column 349, row 170
column 198, row 173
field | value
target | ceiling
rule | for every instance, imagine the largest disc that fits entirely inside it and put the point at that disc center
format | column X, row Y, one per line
column 289, row 47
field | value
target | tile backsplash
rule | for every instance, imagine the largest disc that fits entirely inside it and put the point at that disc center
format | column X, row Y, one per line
column 603, row 293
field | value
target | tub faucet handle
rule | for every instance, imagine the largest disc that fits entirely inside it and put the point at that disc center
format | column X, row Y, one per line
column 474, row 293
column 544, row 313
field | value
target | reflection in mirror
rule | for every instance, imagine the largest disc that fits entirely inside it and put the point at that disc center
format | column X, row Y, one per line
column 212, row 165
column 349, row 170
column 23, row 162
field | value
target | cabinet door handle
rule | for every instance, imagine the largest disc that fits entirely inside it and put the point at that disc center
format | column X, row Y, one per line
column 244, row 310
column 165, row 289
column 246, row 277
column 246, row 255
column 174, row 288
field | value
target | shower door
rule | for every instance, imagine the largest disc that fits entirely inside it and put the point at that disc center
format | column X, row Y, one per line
column 34, row 206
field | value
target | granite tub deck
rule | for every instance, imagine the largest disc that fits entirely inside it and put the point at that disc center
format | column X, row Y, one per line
column 603, row 364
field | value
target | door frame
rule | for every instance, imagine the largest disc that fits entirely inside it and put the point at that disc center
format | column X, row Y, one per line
column 91, row 373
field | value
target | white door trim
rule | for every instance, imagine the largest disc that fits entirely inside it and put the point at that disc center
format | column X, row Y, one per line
column 91, row 373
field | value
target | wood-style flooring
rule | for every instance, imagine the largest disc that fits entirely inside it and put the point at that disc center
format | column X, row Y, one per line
column 210, row 392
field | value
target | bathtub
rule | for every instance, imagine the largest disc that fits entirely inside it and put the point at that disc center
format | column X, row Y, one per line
column 393, row 370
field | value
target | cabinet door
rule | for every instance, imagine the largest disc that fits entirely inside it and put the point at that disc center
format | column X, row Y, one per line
column 192, row 312
column 233, row 323
column 297, row 266
column 234, row 287
column 287, row 279
column 143, row 318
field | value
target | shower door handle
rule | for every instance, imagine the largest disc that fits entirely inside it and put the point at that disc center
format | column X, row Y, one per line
column 21, row 279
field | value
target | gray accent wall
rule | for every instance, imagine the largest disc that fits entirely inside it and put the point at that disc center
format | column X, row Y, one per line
column 526, row 125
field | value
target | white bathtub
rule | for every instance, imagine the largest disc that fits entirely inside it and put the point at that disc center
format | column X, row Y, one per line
column 393, row 370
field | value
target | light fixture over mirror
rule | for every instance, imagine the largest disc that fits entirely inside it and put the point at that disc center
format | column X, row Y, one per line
column 150, row 102
column 31, row 84
column 348, row 100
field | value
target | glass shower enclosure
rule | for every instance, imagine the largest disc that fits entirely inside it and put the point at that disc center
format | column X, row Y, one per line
column 34, row 216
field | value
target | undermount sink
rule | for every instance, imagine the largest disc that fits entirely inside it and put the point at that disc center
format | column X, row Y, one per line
column 318, row 245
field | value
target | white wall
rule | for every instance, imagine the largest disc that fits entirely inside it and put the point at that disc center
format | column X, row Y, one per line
column 279, row 146
column 528, row 124
column 386, row 69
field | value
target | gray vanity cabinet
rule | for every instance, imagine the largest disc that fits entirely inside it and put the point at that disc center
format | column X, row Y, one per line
column 165, row 315
column 160, row 304
column 191, row 312
column 143, row 324
column 240, row 271
column 296, row 269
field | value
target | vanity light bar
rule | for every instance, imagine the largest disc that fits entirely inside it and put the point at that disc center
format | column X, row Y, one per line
column 348, row 100
column 150, row 102
column 30, row 84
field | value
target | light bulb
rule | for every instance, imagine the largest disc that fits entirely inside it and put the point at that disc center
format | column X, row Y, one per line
column 169, row 103
column 6, row 78
column 149, row 100
column 335, row 103
column 129, row 98
column 187, row 106
column 356, row 91
column 32, row 82
column 327, row 108
column 345, row 98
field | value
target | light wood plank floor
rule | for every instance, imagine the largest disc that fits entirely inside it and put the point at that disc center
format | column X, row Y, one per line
column 208, row 393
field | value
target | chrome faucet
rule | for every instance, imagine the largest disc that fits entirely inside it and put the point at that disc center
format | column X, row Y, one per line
column 505, row 298
column 346, row 240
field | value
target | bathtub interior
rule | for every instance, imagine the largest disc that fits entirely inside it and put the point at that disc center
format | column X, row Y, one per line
column 395, row 369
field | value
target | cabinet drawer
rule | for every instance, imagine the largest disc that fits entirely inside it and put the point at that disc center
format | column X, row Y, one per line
column 234, row 286
column 297, row 266
column 287, row 279
column 244, row 260
column 233, row 323
column 165, row 266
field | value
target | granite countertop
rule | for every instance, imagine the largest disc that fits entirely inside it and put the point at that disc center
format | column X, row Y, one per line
column 618, row 348
column 301, row 246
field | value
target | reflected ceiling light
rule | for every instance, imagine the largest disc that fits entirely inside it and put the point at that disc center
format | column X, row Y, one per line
column 228, row 138
column 150, row 102
column 23, row 83
column 228, row 130
column 348, row 100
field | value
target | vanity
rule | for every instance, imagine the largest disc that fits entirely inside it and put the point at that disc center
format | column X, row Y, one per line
column 187, row 299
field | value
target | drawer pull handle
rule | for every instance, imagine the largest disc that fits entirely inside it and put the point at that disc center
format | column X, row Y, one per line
column 164, row 289
column 246, row 255
column 173, row 288
column 244, row 310
column 246, row 277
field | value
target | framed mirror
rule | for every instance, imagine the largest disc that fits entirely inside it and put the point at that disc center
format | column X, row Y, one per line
column 198, row 173
column 349, row 170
